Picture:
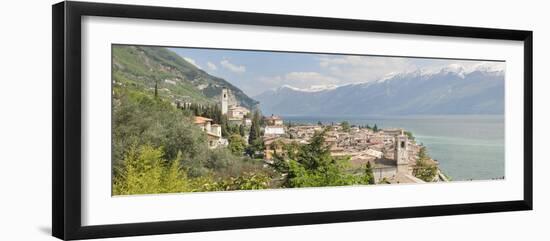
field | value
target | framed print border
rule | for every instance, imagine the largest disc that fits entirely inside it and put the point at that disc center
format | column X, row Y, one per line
column 67, row 109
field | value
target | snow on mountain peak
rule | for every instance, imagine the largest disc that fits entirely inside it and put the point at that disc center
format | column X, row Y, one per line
column 459, row 69
column 313, row 88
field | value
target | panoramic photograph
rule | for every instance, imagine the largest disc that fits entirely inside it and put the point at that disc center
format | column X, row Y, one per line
column 204, row 120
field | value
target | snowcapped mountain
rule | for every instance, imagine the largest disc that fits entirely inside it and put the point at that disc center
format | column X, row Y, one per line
column 313, row 88
column 454, row 89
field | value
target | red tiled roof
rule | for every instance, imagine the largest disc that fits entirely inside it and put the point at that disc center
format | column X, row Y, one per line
column 201, row 120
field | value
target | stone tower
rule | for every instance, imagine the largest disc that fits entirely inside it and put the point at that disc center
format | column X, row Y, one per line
column 224, row 100
column 402, row 152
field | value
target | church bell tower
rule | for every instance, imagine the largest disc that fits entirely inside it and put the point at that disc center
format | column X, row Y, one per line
column 402, row 152
column 224, row 100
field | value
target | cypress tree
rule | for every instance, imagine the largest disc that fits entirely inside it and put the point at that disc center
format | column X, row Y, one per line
column 241, row 130
column 255, row 128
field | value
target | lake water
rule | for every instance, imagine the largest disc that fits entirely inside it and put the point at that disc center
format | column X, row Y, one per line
column 467, row 147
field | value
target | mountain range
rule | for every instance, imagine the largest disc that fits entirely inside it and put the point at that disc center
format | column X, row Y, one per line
column 176, row 79
column 451, row 90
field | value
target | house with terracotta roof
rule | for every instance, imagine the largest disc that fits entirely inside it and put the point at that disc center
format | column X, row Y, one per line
column 273, row 120
column 213, row 131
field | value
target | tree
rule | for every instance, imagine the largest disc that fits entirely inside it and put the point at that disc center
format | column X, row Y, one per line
column 255, row 128
column 423, row 169
column 139, row 119
column 242, row 130
column 375, row 128
column 345, row 126
column 319, row 123
column 369, row 174
column 156, row 89
column 254, row 147
column 409, row 135
column 226, row 129
column 145, row 172
column 236, row 144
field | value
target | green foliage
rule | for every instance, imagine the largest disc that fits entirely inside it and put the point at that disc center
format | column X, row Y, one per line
column 409, row 135
column 384, row 180
column 145, row 172
column 209, row 111
column 345, row 126
column 174, row 178
column 149, row 67
column 247, row 181
column 311, row 165
column 254, row 148
column 423, row 169
column 375, row 128
column 236, row 144
column 369, row 174
column 175, row 77
column 219, row 159
column 327, row 175
column 140, row 119
column 242, row 130
column 255, row 128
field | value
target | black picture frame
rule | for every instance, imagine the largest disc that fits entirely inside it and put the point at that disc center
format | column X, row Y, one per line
column 66, row 127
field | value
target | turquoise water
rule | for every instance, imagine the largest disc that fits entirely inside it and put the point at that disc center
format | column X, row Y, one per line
column 469, row 147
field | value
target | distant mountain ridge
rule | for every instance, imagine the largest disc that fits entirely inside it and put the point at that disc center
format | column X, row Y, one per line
column 177, row 79
column 451, row 90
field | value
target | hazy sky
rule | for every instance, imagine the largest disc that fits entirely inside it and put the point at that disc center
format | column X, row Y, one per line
column 257, row 71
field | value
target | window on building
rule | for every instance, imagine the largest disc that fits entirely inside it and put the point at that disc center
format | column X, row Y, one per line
column 402, row 144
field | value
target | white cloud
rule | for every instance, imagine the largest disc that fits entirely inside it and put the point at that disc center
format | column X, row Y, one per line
column 302, row 80
column 353, row 69
column 212, row 66
column 192, row 61
column 310, row 78
column 232, row 67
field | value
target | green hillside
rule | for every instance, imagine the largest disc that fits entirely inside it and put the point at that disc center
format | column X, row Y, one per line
column 177, row 80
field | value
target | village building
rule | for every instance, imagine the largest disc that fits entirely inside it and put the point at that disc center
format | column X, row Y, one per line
column 237, row 112
column 390, row 152
column 235, row 121
column 274, row 130
column 304, row 132
column 274, row 126
column 204, row 123
column 236, row 115
column 374, row 153
column 391, row 131
column 213, row 132
column 273, row 120
column 247, row 122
